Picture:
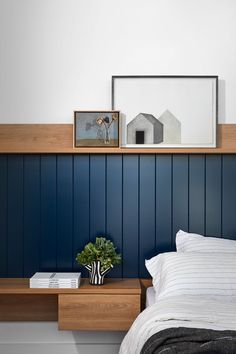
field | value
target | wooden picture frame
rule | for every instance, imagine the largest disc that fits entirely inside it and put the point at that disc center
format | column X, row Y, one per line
column 96, row 129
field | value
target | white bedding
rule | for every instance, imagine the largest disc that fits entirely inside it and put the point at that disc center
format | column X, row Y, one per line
column 180, row 311
column 150, row 296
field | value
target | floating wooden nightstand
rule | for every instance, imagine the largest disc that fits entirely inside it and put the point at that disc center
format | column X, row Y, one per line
column 112, row 306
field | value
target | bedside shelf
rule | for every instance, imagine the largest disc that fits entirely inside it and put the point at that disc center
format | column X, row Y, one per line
column 111, row 286
column 112, row 306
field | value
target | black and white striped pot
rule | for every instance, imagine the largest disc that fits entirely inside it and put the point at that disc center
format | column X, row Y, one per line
column 95, row 273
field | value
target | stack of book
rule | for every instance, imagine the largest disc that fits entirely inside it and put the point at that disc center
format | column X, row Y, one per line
column 55, row 280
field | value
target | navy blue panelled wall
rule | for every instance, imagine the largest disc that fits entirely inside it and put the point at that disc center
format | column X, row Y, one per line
column 52, row 205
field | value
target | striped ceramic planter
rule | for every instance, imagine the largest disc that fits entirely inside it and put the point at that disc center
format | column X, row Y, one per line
column 95, row 273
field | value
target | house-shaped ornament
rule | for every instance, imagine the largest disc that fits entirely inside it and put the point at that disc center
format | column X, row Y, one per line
column 144, row 129
column 172, row 128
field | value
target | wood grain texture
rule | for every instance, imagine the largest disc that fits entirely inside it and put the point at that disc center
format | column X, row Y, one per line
column 36, row 137
column 113, row 306
column 97, row 312
column 58, row 138
column 111, row 286
column 26, row 307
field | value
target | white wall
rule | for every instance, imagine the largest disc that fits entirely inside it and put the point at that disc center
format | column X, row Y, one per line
column 59, row 55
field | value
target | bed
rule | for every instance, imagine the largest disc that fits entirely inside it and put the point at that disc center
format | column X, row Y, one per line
column 191, row 308
column 150, row 296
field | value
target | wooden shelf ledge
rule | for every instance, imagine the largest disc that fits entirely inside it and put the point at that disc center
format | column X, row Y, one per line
column 111, row 286
column 58, row 138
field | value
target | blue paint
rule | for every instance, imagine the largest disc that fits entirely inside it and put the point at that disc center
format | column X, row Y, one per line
column 229, row 196
column 48, row 240
column 97, row 196
column 81, row 206
column 31, row 242
column 163, row 203
column 15, row 216
column 65, row 212
column 147, row 222
column 3, row 216
column 180, row 198
column 213, row 195
column 52, row 205
column 114, row 205
column 197, row 194
column 130, row 215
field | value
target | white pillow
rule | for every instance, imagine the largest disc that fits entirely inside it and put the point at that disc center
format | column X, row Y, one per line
column 186, row 242
column 193, row 274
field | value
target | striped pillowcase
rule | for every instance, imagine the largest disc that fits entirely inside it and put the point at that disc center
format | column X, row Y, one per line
column 189, row 273
column 187, row 242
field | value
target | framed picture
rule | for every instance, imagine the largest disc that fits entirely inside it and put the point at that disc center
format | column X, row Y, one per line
column 96, row 128
column 167, row 111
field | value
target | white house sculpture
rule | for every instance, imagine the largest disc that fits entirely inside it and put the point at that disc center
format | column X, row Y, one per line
column 144, row 129
column 172, row 128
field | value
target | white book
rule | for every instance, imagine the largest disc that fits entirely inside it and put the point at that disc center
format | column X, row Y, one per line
column 55, row 283
column 63, row 281
column 54, row 286
column 42, row 276
column 55, row 280
column 46, row 276
column 67, row 276
column 63, row 287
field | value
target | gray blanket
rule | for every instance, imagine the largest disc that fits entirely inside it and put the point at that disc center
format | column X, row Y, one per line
column 191, row 341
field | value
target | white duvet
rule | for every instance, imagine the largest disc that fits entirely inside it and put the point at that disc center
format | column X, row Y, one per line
column 184, row 311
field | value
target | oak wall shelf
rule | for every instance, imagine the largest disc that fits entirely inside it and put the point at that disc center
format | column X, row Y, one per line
column 113, row 306
column 58, row 138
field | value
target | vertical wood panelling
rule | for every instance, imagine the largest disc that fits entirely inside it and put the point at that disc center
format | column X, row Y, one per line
column 52, row 205
column 180, row 194
column 65, row 256
column 229, row 196
column 3, row 215
column 147, row 224
column 48, row 245
column 97, row 196
column 31, row 214
column 197, row 194
column 114, row 205
column 130, row 215
column 81, row 206
column 163, row 203
column 15, row 214
column 213, row 195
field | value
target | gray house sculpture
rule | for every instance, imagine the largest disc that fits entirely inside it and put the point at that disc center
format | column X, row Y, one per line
column 144, row 129
column 172, row 128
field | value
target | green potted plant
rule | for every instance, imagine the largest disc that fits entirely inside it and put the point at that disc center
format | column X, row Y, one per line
column 99, row 258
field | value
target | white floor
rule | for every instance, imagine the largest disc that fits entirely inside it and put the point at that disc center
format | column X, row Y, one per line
column 44, row 338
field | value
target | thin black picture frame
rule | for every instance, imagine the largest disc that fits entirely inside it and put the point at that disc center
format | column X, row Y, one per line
column 214, row 77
